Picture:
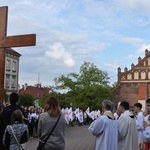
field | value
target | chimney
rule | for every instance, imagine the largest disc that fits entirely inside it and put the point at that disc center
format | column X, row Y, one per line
column 139, row 59
column 125, row 69
column 146, row 51
column 39, row 85
column 25, row 86
column 119, row 69
column 132, row 66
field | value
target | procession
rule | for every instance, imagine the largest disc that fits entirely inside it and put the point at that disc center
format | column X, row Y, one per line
column 74, row 75
column 132, row 129
column 124, row 128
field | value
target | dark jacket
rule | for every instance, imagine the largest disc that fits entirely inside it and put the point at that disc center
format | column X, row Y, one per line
column 3, row 125
column 7, row 112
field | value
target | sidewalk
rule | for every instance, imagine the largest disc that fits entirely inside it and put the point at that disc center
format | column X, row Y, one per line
column 77, row 138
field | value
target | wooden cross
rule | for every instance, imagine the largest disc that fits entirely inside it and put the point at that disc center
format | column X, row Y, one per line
column 10, row 41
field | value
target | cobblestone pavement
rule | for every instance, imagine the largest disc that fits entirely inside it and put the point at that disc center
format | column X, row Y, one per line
column 77, row 138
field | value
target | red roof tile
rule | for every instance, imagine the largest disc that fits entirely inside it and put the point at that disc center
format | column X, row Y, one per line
column 10, row 50
column 36, row 92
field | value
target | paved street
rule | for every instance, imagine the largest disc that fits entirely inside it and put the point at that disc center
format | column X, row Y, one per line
column 77, row 138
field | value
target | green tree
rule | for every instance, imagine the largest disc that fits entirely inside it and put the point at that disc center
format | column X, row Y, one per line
column 87, row 88
column 114, row 85
column 60, row 97
column 25, row 100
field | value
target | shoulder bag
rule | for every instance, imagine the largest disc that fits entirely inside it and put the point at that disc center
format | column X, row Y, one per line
column 21, row 146
column 41, row 145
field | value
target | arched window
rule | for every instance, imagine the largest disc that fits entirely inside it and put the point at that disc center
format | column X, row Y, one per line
column 129, row 76
column 148, row 61
column 149, row 75
column 136, row 75
column 143, row 75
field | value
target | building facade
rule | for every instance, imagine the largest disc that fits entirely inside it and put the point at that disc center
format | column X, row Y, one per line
column 134, row 84
column 36, row 91
column 11, row 70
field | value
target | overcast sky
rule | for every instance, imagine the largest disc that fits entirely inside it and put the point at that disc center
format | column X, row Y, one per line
column 108, row 33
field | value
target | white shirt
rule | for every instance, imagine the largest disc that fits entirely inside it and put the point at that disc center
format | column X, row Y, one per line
column 139, row 125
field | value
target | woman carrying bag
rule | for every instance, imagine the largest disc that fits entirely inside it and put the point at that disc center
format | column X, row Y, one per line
column 16, row 133
column 52, row 126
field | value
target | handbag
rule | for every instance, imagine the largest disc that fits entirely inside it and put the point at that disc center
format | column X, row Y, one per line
column 21, row 146
column 41, row 145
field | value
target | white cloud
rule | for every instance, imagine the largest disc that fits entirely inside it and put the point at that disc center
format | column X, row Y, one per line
column 132, row 40
column 113, row 66
column 57, row 51
column 83, row 30
column 130, row 56
column 143, row 48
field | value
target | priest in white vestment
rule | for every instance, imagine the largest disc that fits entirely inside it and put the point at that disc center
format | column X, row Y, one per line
column 105, row 128
column 127, row 133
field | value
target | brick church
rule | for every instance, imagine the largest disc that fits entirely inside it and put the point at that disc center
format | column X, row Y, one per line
column 134, row 84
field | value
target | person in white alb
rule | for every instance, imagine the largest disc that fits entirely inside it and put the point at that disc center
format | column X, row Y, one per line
column 139, row 122
column 127, row 133
column 146, row 133
column 105, row 128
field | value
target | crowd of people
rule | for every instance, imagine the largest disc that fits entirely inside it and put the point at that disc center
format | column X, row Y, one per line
column 19, row 123
column 122, row 130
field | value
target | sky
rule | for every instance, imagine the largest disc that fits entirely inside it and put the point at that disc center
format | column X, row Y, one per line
column 108, row 33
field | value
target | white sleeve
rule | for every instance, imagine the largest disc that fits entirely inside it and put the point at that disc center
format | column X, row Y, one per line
column 97, row 127
column 139, row 122
column 146, row 134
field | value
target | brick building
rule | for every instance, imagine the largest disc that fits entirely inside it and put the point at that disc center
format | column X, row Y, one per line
column 11, row 70
column 134, row 84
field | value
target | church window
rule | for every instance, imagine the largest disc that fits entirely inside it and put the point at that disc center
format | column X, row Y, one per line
column 143, row 75
column 149, row 75
column 136, row 75
column 129, row 76
column 148, row 61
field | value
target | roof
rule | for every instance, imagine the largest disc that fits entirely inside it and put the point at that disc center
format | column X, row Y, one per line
column 36, row 92
column 142, row 92
column 10, row 50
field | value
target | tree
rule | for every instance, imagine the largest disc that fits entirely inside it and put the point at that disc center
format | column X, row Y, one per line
column 60, row 97
column 25, row 100
column 114, row 85
column 86, row 88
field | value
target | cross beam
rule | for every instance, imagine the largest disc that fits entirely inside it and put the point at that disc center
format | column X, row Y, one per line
column 10, row 41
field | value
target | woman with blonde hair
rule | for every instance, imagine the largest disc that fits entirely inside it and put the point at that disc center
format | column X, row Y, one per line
column 52, row 126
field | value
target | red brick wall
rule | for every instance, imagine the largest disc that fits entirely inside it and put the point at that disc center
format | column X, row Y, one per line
column 127, row 92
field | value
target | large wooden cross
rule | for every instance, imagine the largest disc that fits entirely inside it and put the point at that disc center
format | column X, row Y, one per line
column 10, row 41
